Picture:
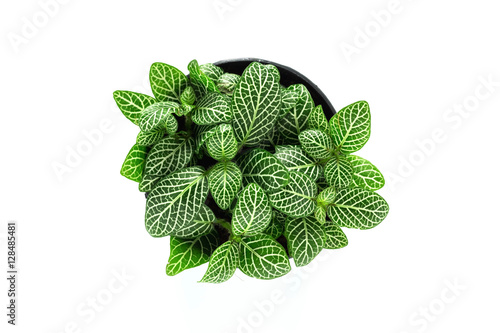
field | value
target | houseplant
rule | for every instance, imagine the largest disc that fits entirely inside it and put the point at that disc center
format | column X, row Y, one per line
column 244, row 172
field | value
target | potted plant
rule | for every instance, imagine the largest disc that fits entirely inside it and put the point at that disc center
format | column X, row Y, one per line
column 243, row 168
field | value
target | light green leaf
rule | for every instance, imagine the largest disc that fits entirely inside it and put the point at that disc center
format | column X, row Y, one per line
column 200, row 82
column 297, row 197
column 334, row 236
column 256, row 103
column 212, row 109
column 185, row 109
column 365, row 174
column 253, row 211
column 326, row 196
column 148, row 182
column 317, row 120
column 305, row 238
column 295, row 121
column 223, row 263
column 222, row 146
column 169, row 155
column 132, row 104
column 171, row 124
column 188, row 96
column 294, row 159
column 189, row 253
column 350, row 127
column 320, row 214
column 133, row 165
column 317, row 144
column 358, row 208
column 155, row 116
column 277, row 225
column 175, row 201
column 167, row 82
column 338, row 172
column 149, row 139
column 289, row 99
column 261, row 167
column 224, row 180
column 202, row 224
column 262, row 257
column 227, row 83
column 212, row 71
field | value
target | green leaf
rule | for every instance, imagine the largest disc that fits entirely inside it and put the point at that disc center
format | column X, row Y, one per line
column 262, row 257
column 212, row 71
column 256, row 103
column 188, row 96
column 171, row 125
column 224, row 180
column 317, row 120
column 222, row 146
column 253, row 211
column 202, row 224
column 297, row 198
column 358, row 208
column 185, row 109
column 289, row 99
column 189, row 253
column 202, row 134
column 365, row 174
column 326, row 196
column 175, row 201
column 294, row 159
column 317, row 144
column 334, row 236
column 261, row 167
column 305, row 239
column 227, row 83
column 200, row 82
column 277, row 225
column 133, row 165
column 320, row 214
column 155, row 116
column 169, row 155
column 338, row 172
column 149, row 139
column 148, row 182
column 223, row 263
column 132, row 104
column 350, row 127
column 167, row 82
column 212, row 109
column 295, row 121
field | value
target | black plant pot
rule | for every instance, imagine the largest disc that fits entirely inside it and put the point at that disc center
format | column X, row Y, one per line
column 288, row 76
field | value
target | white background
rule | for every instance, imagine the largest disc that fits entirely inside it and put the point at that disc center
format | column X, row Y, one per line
column 79, row 230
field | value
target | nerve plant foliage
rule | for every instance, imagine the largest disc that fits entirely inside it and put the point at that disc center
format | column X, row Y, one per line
column 240, row 168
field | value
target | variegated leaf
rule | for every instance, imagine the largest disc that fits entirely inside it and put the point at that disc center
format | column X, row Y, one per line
column 334, row 236
column 289, row 99
column 149, row 139
column 132, row 104
column 189, row 253
column 253, row 211
column 223, row 263
column 212, row 71
column 317, row 144
column 200, row 82
column 222, row 146
column 148, row 182
column 256, row 103
column 188, row 96
column 155, row 116
column 214, row 108
column 365, row 174
column 202, row 134
column 294, row 159
column 295, row 121
column 350, row 127
column 167, row 82
column 262, row 257
column 224, row 180
column 202, row 224
column 358, row 208
column 326, row 196
column 297, row 197
column 261, row 167
column 227, row 83
column 169, row 155
column 338, row 172
column 133, row 165
column 320, row 214
column 175, row 201
column 276, row 226
column 305, row 238
column 317, row 120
